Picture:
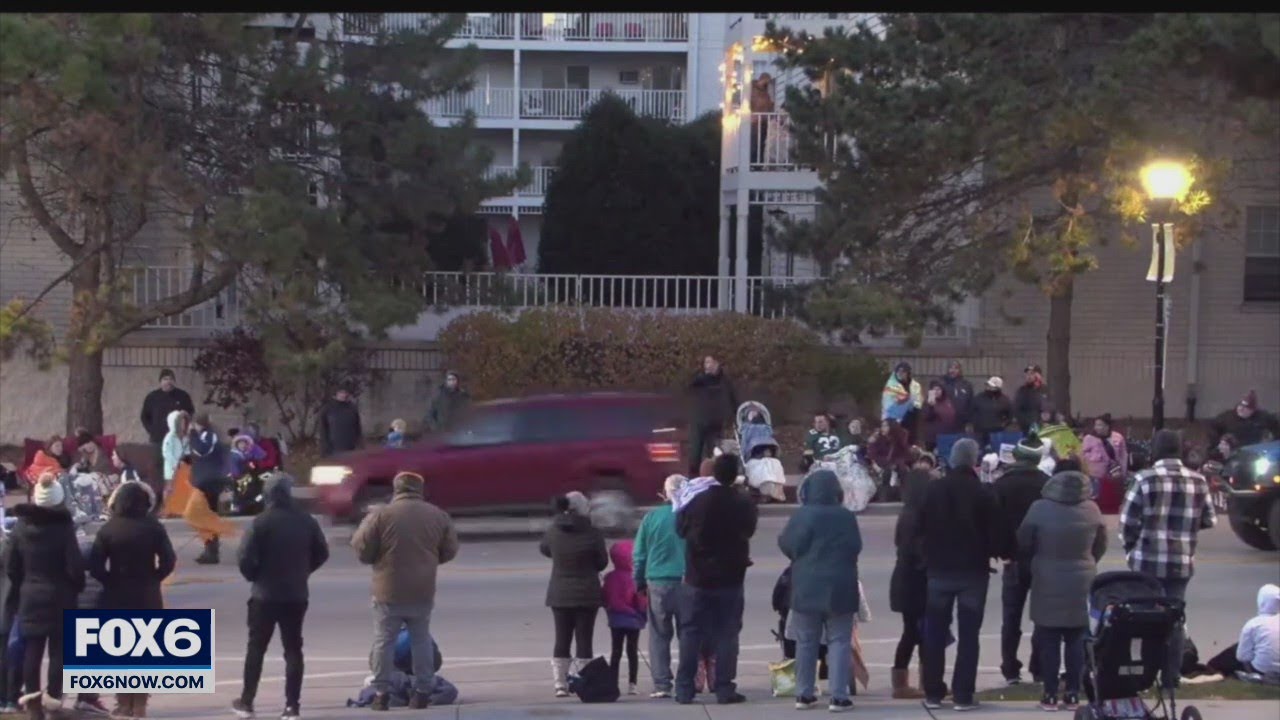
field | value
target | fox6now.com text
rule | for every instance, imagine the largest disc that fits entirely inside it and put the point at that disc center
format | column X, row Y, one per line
column 148, row 681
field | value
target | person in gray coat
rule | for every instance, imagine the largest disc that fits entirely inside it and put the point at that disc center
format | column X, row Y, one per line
column 1063, row 537
column 578, row 555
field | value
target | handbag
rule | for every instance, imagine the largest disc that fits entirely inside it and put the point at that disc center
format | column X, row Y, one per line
column 782, row 678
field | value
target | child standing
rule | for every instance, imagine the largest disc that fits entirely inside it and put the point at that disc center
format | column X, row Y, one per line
column 395, row 438
column 626, row 609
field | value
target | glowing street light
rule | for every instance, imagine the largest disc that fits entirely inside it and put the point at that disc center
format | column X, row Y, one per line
column 1166, row 183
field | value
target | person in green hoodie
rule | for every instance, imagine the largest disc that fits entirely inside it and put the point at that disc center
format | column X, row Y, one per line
column 823, row 542
column 658, row 560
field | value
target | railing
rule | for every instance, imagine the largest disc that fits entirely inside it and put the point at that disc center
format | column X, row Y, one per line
column 154, row 284
column 551, row 27
column 484, row 102
column 542, row 175
column 624, row 292
column 771, row 147
column 571, row 104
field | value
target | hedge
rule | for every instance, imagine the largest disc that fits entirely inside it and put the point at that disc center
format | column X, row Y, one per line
column 563, row 350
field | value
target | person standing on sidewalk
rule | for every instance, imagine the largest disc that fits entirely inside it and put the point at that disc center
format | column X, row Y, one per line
column 1017, row 489
column 156, row 406
column 280, row 551
column 958, row 530
column 658, row 557
column 715, row 402
column 717, row 526
column 578, row 555
column 406, row 541
column 1163, row 512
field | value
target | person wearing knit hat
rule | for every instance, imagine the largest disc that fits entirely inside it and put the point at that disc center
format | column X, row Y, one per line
column 1249, row 423
column 1017, row 488
column 48, row 493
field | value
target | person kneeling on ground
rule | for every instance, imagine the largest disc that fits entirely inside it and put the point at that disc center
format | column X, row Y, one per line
column 1258, row 651
column 402, row 686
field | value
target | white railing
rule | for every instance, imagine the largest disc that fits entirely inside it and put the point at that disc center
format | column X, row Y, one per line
column 484, row 102
column 688, row 293
column 570, row 104
column 154, row 284
column 605, row 27
column 771, row 145
column 542, row 175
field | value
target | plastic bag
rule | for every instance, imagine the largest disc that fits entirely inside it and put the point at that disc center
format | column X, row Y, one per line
column 856, row 482
column 782, row 677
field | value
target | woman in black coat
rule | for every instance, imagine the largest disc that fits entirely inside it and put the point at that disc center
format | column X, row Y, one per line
column 908, row 585
column 44, row 561
column 578, row 555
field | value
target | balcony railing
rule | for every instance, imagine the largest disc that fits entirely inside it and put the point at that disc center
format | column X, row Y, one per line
column 571, row 104
column 771, row 145
column 484, row 102
column 551, row 27
column 537, row 186
column 154, row 284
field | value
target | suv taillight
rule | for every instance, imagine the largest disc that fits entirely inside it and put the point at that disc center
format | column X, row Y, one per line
column 664, row 452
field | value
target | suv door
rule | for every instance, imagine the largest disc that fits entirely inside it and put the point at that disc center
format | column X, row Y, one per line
column 473, row 466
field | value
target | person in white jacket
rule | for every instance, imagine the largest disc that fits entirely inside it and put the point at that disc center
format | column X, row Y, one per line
column 1259, row 646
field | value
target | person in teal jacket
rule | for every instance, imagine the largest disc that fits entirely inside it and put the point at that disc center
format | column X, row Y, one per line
column 658, row 558
column 822, row 541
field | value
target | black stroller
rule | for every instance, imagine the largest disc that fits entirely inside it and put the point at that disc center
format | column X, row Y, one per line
column 1132, row 623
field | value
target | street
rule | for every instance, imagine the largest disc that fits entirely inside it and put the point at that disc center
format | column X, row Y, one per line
column 495, row 632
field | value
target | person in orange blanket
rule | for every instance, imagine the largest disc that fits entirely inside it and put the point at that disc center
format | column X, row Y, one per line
column 51, row 458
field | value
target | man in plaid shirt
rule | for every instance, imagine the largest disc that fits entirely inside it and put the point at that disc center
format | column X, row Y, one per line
column 1163, row 511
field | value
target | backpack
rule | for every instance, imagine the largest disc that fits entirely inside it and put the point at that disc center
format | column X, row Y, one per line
column 595, row 683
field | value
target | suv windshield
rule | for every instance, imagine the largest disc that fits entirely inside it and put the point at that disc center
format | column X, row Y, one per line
column 489, row 426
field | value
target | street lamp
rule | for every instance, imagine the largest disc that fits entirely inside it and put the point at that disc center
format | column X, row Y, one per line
column 1166, row 183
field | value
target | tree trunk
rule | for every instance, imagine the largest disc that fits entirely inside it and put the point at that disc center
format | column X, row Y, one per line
column 1058, row 346
column 84, row 360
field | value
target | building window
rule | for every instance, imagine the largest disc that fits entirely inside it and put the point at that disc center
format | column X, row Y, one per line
column 1262, row 253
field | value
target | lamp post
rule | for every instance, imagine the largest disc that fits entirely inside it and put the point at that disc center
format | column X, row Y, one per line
column 1166, row 182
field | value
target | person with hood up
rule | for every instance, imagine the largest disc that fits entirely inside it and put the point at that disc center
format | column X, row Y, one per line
column 131, row 556
column 1019, row 487
column 960, row 391
column 902, row 399
column 958, row 532
column 340, row 429
column 715, row 402
column 578, row 555
column 823, row 542
column 909, row 583
column 992, row 411
column 208, row 479
column 1106, row 459
column 406, row 541
column 626, row 609
column 246, row 455
column 1257, row 653
column 1247, row 422
column 658, row 559
column 44, row 562
column 176, row 473
column 280, row 551
column 1062, row 537
column 1032, row 396
column 449, row 403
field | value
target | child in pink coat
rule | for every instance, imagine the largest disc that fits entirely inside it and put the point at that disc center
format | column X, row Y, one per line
column 626, row 609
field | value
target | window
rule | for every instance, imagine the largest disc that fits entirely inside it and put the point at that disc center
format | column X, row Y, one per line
column 494, row 427
column 1262, row 253
column 577, row 77
column 628, row 77
column 558, row 423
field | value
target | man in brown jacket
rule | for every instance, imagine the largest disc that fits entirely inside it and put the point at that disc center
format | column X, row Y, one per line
column 405, row 541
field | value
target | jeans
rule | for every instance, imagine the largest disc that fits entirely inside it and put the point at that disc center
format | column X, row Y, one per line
column 263, row 618
column 574, row 623
column 1060, row 644
column 710, row 616
column 1175, row 588
column 967, row 594
column 32, row 656
column 664, row 605
column 387, row 621
column 908, row 643
column 1013, row 598
column 809, row 630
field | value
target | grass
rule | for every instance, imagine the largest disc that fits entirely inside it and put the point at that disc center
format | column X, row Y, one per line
column 1225, row 690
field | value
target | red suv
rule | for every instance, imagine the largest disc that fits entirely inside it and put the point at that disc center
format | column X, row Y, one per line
column 515, row 455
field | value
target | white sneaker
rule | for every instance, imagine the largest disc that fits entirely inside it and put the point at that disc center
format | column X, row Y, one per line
column 631, row 689
column 660, row 694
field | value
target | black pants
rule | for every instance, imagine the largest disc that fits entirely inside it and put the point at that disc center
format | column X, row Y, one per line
column 703, row 437
column 909, row 643
column 631, row 638
column 263, row 618
column 1013, row 598
column 10, row 674
column 966, row 595
column 576, row 624
column 34, row 654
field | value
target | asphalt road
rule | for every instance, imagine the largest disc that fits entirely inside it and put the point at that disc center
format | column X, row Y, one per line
column 495, row 633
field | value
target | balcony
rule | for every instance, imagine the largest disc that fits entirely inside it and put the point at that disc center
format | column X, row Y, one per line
column 771, row 146
column 571, row 104
column 155, row 283
column 537, row 187
column 484, row 102
column 548, row 27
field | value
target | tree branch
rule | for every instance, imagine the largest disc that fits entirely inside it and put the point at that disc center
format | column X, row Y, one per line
column 31, row 198
column 205, row 290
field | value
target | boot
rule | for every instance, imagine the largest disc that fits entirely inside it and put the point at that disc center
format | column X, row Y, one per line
column 210, row 554
column 560, row 673
column 902, row 689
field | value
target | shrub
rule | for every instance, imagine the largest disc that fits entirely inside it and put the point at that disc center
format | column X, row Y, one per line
column 559, row 350
column 859, row 377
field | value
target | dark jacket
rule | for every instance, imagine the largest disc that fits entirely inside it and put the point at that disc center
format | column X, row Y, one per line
column 1063, row 537
column 1016, row 489
column 959, row 526
column 446, row 407
column 282, row 547
column 1249, row 432
column 1027, row 404
column 208, row 459
column 45, row 562
column 717, row 526
column 8, row 590
column 823, row 542
column 156, row 408
column 714, row 399
column 909, row 581
column 992, row 412
column 340, row 429
column 960, row 391
column 131, row 554
column 890, row 451
column 940, row 418
column 578, row 556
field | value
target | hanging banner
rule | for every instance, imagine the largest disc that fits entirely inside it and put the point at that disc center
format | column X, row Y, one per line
column 1169, row 253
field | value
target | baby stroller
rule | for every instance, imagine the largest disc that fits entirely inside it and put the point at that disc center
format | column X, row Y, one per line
column 1131, row 624
column 758, row 448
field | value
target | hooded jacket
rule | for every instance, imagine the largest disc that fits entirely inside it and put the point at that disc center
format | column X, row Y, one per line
column 282, row 547
column 158, row 406
column 406, row 541
column 1260, row 637
column 209, row 464
column 246, row 460
column 960, row 391
column 132, row 554
column 447, row 405
column 658, row 553
column 897, row 400
column 625, row 606
column 959, row 525
column 578, row 555
column 1017, row 489
column 909, row 581
column 823, row 542
column 1063, row 537
column 340, row 429
column 45, row 562
column 174, row 446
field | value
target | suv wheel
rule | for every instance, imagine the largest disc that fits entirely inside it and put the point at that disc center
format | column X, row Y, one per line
column 612, row 509
column 1250, row 532
column 1273, row 523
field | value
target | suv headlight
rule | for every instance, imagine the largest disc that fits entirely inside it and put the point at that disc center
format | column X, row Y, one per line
column 329, row 474
column 1261, row 467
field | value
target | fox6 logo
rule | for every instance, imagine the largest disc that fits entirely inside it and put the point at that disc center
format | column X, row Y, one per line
column 159, row 651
